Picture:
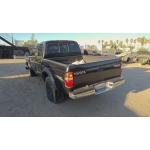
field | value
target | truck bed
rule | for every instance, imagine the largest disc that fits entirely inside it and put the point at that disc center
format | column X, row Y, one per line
column 88, row 58
column 95, row 70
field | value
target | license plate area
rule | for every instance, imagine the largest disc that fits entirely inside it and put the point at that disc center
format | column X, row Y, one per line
column 101, row 88
column 110, row 84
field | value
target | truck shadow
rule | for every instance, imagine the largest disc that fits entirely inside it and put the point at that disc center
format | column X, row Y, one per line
column 116, row 102
column 22, row 95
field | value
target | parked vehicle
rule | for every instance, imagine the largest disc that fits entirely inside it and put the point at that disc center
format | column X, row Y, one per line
column 99, row 54
column 54, row 61
column 127, row 56
column 143, row 57
column 91, row 52
column 118, row 52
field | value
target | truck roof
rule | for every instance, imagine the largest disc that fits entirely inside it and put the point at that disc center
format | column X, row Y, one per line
column 57, row 41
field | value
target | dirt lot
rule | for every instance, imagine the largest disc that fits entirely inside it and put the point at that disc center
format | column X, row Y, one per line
column 22, row 95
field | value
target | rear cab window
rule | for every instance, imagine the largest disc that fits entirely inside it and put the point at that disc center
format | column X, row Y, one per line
column 73, row 47
column 52, row 48
column 63, row 47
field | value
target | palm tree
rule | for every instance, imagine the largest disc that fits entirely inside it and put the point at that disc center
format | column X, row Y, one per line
column 120, row 44
column 99, row 45
column 127, row 42
column 148, row 43
column 134, row 43
column 131, row 41
column 138, row 40
column 102, row 42
column 106, row 43
column 145, row 42
column 117, row 41
column 111, row 43
column 99, row 42
column 123, row 46
column 114, row 45
column 142, row 41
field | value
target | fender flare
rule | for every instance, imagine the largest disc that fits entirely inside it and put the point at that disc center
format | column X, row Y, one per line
column 49, row 74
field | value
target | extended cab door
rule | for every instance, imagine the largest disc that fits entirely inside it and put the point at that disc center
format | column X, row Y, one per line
column 38, row 58
column 32, row 58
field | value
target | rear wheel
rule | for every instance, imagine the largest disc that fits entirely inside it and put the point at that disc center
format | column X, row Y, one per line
column 32, row 73
column 55, row 96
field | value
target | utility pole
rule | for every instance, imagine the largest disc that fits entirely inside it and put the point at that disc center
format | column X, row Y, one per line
column 12, row 39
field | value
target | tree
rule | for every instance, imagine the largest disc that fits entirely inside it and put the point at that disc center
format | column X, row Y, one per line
column 106, row 43
column 142, row 41
column 25, row 44
column 131, row 41
column 111, row 43
column 149, row 42
column 145, row 42
column 32, row 41
column 134, row 43
column 99, row 42
column 138, row 40
column 102, row 42
column 120, row 44
column 123, row 46
column 99, row 45
column 117, row 41
column 127, row 42
column 114, row 45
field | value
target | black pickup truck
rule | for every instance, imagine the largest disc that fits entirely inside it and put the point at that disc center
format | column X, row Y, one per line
column 53, row 61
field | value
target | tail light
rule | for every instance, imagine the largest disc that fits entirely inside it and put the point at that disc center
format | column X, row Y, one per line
column 120, row 67
column 69, row 82
column 62, row 41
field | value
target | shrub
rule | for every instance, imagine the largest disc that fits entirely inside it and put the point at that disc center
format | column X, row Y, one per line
column 143, row 49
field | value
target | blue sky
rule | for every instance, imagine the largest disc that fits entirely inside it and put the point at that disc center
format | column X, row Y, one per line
column 81, row 38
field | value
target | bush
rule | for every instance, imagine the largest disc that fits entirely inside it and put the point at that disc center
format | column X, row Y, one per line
column 142, row 49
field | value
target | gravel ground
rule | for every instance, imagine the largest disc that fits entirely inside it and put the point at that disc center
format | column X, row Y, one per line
column 22, row 95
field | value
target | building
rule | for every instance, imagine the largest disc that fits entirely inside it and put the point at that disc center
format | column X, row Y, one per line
column 88, row 47
column 19, row 42
column 108, row 47
column 93, row 47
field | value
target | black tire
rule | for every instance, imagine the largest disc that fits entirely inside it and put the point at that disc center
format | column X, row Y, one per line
column 32, row 73
column 55, row 96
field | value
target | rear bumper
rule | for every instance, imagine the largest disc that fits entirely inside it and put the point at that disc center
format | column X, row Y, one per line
column 97, row 88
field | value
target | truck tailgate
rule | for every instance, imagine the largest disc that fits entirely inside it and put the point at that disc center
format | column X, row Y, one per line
column 94, row 72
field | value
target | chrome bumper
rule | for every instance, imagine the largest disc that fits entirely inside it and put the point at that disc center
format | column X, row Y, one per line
column 96, row 88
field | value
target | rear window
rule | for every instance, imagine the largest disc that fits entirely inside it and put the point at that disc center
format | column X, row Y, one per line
column 52, row 48
column 73, row 47
column 63, row 48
